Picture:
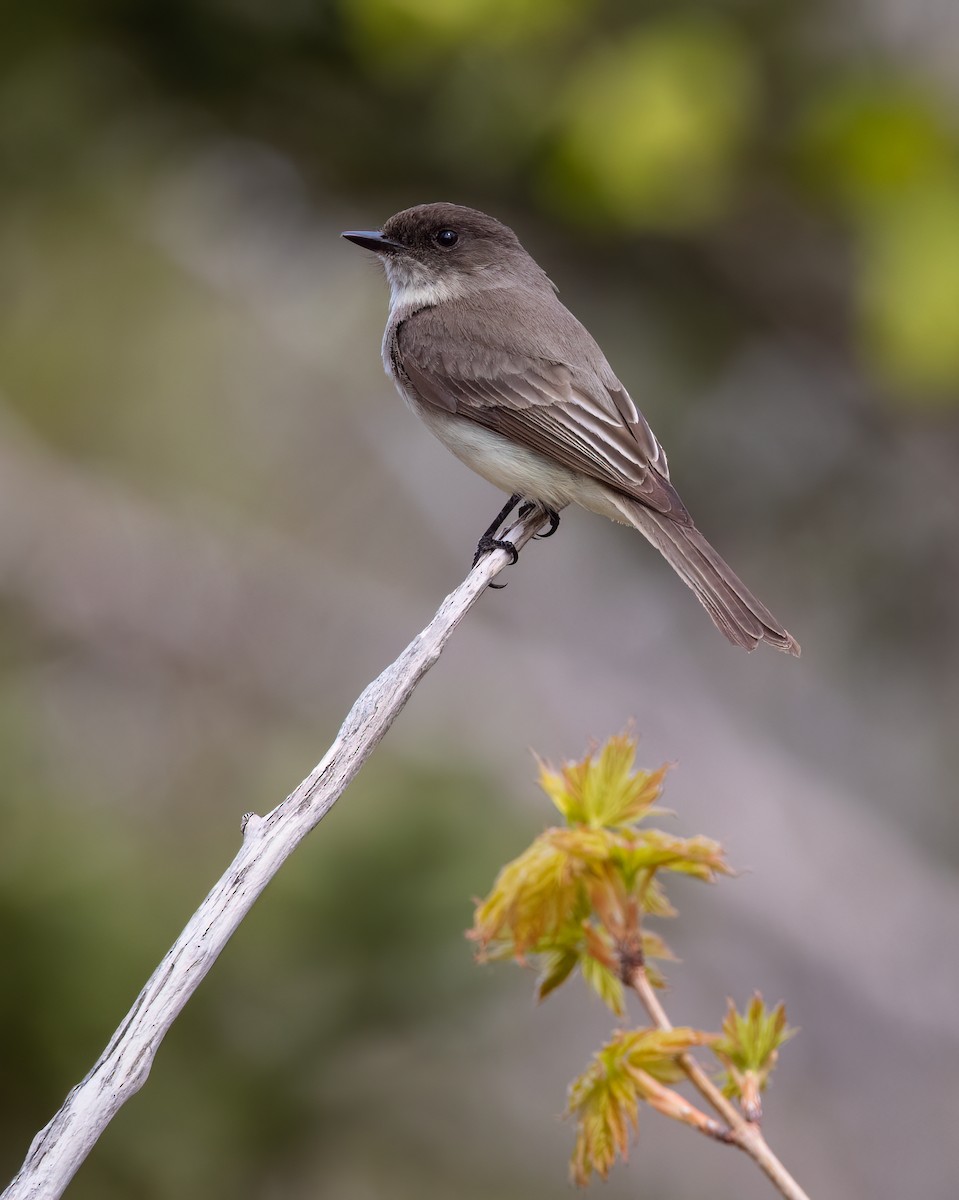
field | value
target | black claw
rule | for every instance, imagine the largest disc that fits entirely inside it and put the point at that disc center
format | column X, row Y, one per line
column 487, row 543
column 553, row 517
column 550, row 513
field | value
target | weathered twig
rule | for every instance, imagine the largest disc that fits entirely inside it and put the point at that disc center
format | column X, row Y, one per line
column 62, row 1145
column 747, row 1135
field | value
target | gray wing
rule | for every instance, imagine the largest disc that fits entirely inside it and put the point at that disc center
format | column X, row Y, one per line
column 578, row 415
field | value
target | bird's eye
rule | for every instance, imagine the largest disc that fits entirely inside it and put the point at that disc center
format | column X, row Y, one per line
column 447, row 238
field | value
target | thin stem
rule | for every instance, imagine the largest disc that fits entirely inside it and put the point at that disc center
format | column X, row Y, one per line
column 672, row 1104
column 640, row 984
column 742, row 1133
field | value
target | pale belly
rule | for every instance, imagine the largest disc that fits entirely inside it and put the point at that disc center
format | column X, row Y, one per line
column 511, row 467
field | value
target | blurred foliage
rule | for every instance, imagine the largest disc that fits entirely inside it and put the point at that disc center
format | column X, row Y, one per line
column 271, row 1065
column 629, row 120
column 406, row 34
column 652, row 128
column 884, row 152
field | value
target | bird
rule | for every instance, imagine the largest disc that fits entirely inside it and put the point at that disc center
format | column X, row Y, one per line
column 484, row 352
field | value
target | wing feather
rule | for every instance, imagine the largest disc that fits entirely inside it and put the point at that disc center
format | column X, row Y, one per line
column 579, row 416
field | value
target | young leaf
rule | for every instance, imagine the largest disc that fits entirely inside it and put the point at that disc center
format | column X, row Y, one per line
column 655, row 948
column 558, row 965
column 656, row 1051
column 534, row 897
column 749, row 1049
column 652, row 897
column 605, row 983
column 605, row 1104
column 603, row 789
column 631, row 1067
column 651, row 849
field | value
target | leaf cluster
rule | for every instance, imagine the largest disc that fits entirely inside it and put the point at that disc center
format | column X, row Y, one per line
column 605, row 1099
column 576, row 897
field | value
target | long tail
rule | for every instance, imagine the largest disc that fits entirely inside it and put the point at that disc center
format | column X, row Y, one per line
column 734, row 610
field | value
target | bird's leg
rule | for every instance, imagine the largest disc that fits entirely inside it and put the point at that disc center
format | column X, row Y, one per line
column 550, row 513
column 501, row 516
column 489, row 541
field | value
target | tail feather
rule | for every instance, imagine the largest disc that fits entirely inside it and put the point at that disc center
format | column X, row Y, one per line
column 734, row 610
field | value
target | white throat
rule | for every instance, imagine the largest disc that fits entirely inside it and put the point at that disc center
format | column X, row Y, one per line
column 413, row 287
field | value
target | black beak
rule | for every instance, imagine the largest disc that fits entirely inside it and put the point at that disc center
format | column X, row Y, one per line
column 372, row 239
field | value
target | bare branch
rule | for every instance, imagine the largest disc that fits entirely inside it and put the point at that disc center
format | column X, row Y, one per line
column 62, row 1145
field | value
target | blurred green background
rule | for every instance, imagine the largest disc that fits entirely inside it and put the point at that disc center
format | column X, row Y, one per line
column 217, row 523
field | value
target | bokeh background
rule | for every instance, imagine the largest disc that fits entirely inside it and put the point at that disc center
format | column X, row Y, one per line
column 218, row 522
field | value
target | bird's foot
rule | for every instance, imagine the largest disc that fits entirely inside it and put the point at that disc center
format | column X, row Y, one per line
column 488, row 544
column 489, row 540
column 550, row 513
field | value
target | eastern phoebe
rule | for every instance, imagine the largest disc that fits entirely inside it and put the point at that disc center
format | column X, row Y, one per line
column 483, row 351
